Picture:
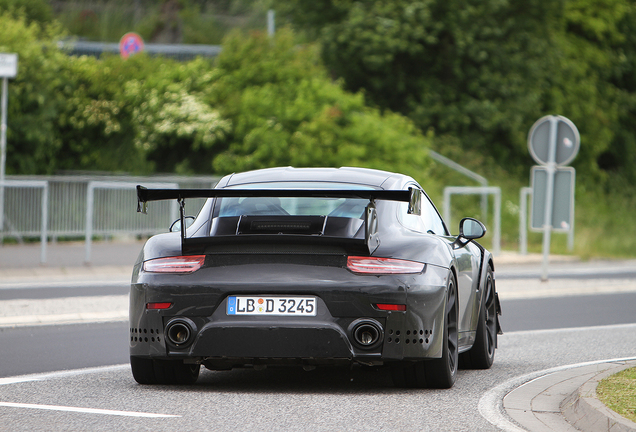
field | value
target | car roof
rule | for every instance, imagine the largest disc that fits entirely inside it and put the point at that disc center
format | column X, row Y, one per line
column 358, row 176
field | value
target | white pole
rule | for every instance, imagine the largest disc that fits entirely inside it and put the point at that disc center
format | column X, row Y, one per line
column 3, row 151
column 549, row 197
column 45, row 223
column 271, row 24
column 90, row 200
column 523, row 215
column 496, row 239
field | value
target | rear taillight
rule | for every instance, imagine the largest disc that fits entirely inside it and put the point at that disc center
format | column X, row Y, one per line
column 178, row 264
column 379, row 266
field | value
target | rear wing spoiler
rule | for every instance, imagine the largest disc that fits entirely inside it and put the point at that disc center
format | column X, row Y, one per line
column 411, row 196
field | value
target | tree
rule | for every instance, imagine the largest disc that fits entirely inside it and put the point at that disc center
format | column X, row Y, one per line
column 38, row 11
column 480, row 72
column 34, row 102
column 285, row 110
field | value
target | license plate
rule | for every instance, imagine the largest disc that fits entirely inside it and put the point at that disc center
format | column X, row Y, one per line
column 267, row 305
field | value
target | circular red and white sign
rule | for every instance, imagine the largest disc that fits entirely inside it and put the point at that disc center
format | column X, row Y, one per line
column 129, row 44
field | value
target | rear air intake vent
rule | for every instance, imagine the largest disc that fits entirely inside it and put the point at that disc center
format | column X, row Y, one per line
column 307, row 225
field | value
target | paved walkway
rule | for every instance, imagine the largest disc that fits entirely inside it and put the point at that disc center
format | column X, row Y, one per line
column 553, row 401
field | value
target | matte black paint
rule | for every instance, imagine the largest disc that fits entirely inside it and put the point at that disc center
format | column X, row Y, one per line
column 299, row 264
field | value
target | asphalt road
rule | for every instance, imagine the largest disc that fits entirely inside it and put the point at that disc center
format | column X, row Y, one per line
column 571, row 311
column 48, row 348
column 292, row 399
column 540, row 333
column 27, row 350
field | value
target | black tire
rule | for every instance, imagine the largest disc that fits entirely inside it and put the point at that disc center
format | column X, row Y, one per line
column 398, row 374
column 142, row 370
column 408, row 374
column 175, row 372
column 442, row 372
column 482, row 354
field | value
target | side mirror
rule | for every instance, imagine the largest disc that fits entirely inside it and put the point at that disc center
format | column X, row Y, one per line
column 176, row 225
column 471, row 229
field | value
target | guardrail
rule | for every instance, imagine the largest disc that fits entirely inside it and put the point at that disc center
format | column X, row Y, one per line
column 88, row 206
column 30, row 205
column 477, row 190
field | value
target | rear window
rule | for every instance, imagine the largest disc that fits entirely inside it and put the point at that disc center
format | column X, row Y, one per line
column 293, row 206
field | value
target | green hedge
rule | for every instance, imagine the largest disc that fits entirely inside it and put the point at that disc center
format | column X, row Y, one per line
column 265, row 102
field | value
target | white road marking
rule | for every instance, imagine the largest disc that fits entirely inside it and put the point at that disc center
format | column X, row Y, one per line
column 85, row 410
column 61, row 374
column 73, row 373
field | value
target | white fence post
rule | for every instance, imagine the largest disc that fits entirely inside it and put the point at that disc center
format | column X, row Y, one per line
column 36, row 184
column 45, row 222
column 477, row 190
column 523, row 218
column 90, row 206
column 468, row 173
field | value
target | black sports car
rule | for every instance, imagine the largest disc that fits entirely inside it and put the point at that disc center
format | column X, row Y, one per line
column 311, row 267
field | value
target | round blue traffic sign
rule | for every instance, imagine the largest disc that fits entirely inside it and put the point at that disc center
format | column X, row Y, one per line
column 130, row 43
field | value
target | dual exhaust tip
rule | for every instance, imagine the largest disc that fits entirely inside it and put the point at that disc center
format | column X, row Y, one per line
column 367, row 333
column 180, row 332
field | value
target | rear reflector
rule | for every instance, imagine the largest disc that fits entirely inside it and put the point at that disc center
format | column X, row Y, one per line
column 156, row 306
column 178, row 264
column 373, row 265
column 391, row 307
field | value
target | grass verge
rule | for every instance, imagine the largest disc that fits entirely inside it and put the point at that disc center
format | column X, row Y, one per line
column 618, row 392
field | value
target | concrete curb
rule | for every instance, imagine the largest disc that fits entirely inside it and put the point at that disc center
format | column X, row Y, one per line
column 586, row 412
column 536, row 402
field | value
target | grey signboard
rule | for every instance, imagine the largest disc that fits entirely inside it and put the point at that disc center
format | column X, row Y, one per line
column 567, row 140
column 8, row 65
column 562, row 198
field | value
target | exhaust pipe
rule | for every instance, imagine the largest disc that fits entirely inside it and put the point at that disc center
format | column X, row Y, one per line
column 367, row 333
column 180, row 332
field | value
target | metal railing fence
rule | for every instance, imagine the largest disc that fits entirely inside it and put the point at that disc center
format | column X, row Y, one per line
column 477, row 190
column 24, row 192
column 113, row 209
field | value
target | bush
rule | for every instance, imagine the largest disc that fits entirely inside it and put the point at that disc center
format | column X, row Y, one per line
column 285, row 110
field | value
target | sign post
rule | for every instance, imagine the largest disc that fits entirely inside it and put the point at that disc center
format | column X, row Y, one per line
column 8, row 69
column 553, row 141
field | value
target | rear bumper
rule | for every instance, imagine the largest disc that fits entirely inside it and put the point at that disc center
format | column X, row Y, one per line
column 344, row 299
column 285, row 341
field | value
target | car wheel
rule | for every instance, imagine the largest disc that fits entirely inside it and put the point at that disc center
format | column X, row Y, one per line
column 482, row 354
column 149, row 371
column 441, row 372
column 409, row 374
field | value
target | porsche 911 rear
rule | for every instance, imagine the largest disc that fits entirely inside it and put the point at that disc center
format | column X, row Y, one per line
column 276, row 276
column 268, row 305
column 310, row 267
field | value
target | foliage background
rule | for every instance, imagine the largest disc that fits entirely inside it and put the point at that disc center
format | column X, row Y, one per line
column 263, row 103
column 367, row 83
